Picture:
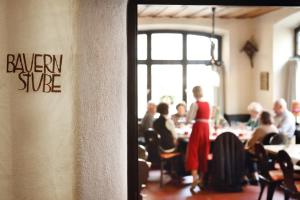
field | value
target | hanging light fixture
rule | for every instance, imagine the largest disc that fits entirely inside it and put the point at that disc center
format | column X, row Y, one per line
column 213, row 61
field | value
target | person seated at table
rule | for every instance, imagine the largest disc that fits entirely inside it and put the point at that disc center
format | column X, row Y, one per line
column 166, row 128
column 265, row 126
column 179, row 118
column 284, row 120
column 254, row 110
column 147, row 121
column 217, row 119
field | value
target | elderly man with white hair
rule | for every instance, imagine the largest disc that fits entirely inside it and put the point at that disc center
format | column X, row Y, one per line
column 147, row 121
column 284, row 120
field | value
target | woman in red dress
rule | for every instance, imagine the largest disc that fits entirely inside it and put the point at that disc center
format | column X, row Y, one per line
column 198, row 146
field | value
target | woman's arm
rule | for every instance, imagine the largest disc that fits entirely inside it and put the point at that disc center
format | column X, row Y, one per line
column 192, row 113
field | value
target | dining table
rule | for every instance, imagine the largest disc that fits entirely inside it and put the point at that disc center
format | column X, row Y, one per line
column 292, row 149
column 242, row 132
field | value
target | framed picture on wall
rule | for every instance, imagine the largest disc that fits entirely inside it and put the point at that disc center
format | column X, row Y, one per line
column 264, row 80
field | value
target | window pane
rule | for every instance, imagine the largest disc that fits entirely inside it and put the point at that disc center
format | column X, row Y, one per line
column 198, row 47
column 166, row 46
column 204, row 76
column 142, row 90
column 142, row 47
column 167, row 84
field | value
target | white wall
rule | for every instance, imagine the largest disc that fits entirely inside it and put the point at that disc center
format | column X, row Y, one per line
column 6, row 173
column 68, row 145
column 274, row 34
column 40, row 125
column 102, row 99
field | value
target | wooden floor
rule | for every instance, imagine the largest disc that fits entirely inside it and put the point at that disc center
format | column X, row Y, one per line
column 175, row 191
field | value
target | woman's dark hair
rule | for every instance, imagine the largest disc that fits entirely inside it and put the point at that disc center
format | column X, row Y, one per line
column 265, row 118
column 163, row 108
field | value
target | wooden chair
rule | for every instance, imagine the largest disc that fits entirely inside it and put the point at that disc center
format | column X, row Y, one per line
column 228, row 163
column 142, row 152
column 290, row 186
column 273, row 139
column 164, row 158
column 267, row 175
column 153, row 144
column 143, row 167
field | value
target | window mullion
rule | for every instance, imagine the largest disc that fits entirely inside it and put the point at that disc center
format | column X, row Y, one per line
column 149, row 89
column 184, row 67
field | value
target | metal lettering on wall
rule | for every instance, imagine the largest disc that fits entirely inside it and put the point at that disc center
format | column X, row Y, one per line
column 36, row 72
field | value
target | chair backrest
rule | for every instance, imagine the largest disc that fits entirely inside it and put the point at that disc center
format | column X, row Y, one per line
column 142, row 152
column 287, row 168
column 274, row 138
column 263, row 164
column 279, row 139
column 152, row 140
column 143, row 169
column 228, row 164
column 268, row 138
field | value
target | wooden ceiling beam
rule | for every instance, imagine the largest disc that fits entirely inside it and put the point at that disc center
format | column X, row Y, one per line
column 189, row 11
column 170, row 11
column 257, row 12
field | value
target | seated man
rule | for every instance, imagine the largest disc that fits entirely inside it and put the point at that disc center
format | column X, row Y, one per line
column 284, row 120
column 147, row 121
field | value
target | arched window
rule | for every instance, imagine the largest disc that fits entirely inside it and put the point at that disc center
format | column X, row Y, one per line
column 171, row 63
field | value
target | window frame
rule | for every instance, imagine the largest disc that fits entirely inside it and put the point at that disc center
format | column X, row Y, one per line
column 297, row 42
column 184, row 61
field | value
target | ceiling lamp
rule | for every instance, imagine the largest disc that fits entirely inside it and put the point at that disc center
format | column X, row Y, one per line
column 213, row 61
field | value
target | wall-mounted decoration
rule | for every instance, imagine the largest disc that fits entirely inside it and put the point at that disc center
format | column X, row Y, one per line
column 250, row 49
column 264, row 80
column 36, row 72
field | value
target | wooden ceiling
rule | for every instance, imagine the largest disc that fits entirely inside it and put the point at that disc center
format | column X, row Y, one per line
column 184, row 11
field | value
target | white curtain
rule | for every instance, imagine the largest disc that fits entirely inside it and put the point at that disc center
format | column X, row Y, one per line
column 292, row 67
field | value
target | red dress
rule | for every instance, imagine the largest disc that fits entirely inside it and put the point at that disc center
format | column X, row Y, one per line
column 199, row 145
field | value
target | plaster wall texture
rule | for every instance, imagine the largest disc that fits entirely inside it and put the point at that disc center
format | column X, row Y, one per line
column 102, row 99
column 68, row 145
column 6, row 174
column 37, row 148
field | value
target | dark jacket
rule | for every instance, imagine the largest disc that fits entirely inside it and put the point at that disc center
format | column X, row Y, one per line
column 167, row 139
column 228, row 164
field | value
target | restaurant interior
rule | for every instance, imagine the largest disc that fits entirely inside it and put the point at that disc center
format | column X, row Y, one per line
column 245, row 59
